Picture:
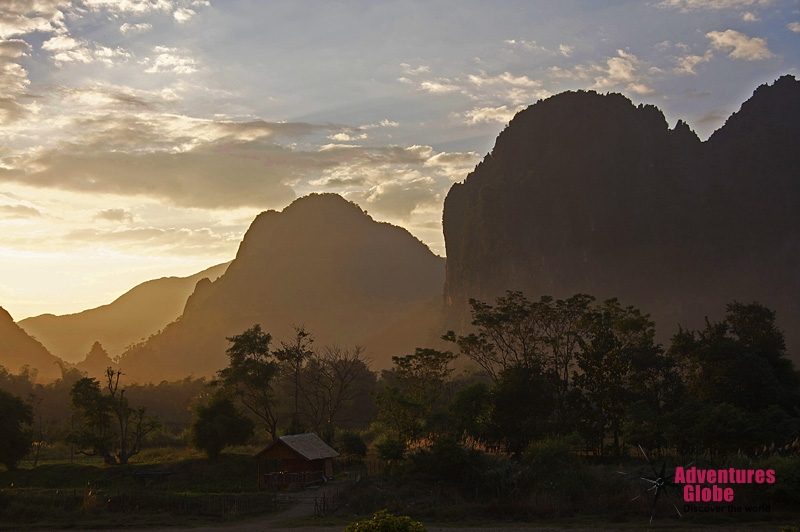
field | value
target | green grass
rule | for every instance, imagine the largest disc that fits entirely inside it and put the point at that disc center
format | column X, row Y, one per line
column 85, row 493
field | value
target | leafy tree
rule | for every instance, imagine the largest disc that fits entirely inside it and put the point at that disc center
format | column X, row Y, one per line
column 352, row 446
column 292, row 357
column 617, row 338
column 111, row 428
column 740, row 360
column 250, row 376
column 470, row 410
column 218, row 425
column 522, row 405
column 15, row 440
column 407, row 407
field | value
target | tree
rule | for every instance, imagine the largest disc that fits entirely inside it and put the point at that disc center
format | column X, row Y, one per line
column 406, row 407
column 517, row 333
column 332, row 379
column 111, row 428
column 740, row 360
column 616, row 338
column 15, row 440
column 218, row 425
column 250, row 376
column 292, row 356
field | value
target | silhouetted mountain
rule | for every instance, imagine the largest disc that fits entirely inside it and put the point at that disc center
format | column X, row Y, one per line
column 323, row 263
column 589, row 193
column 96, row 362
column 18, row 349
column 132, row 317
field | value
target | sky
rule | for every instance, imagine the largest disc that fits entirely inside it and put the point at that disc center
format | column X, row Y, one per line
column 139, row 138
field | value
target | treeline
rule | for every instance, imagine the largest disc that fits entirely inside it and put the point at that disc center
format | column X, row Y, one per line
column 536, row 371
column 554, row 368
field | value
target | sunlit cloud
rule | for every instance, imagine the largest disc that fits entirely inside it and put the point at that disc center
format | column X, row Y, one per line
column 687, row 64
column 739, row 45
column 170, row 60
column 133, row 29
column 502, row 114
column 565, row 50
column 440, row 86
column 183, row 15
column 139, row 7
column 794, row 26
column 21, row 17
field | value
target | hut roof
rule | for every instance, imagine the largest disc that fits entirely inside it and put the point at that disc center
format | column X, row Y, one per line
column 309, row 446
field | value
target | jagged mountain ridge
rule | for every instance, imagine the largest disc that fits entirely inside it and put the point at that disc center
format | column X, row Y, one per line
column 18, row 349
column 321, row 262
column 135, row 315
column 589, row 193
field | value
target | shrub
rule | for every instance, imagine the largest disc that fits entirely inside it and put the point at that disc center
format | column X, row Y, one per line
column 383, row 521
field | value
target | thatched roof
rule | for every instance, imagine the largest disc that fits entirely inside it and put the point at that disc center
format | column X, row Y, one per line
column 309, row 446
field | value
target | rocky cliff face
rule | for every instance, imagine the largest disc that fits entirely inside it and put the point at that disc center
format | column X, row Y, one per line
column 589, row 193
column 322, row 263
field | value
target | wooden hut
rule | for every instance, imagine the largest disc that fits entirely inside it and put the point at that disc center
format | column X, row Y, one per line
column 298, row 459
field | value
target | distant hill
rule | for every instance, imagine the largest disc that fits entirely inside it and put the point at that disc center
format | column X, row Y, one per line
column 18, row 349
column 132, row 317
column 323, row 263
column 590, row 193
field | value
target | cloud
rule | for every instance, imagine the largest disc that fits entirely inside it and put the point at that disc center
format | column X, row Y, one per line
column 170, row 60
column 739, row 45
column 65, row 49
column 154, row 240
column 21, row 17
column 687, row 63
column 133, row 29
column 19, row 211
column 139, row 7
column 502, row 114
column 565, row 50
column 693, row 5
column 621, row 70
column 505, row 78
column 712, row 118
column 183, row 15
column 114, row 215
column 399, row 198
column 794, row 26
column 526, row 45
column 750, row 17
column 407, row 69
column 14, row 81
column 441, row 86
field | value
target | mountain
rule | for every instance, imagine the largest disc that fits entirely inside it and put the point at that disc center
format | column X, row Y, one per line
column 18, row 349
column 323, row 263
column 132, row 317
column 589, row 193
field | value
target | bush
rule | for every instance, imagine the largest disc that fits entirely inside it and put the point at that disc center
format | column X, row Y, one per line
column 352, row 446
column 218, row 425
column 383, row 521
